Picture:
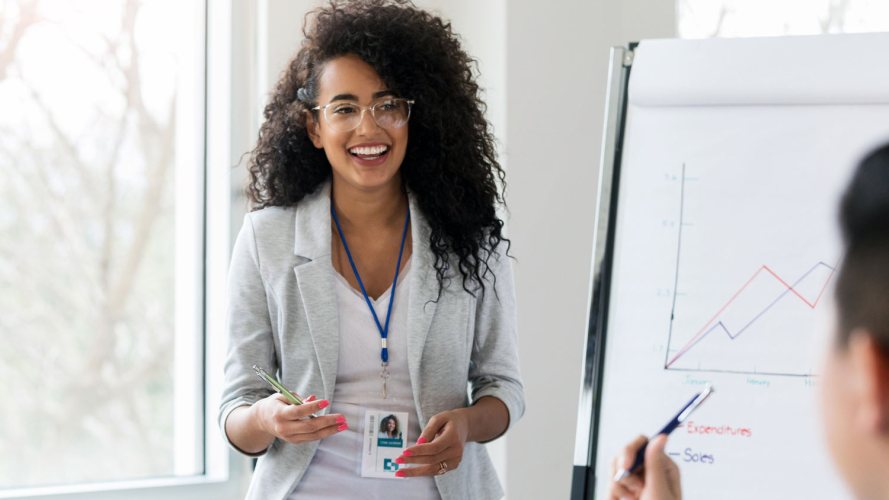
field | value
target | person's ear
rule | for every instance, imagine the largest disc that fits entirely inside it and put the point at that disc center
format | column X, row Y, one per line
column 870, row 382
column 312, row 129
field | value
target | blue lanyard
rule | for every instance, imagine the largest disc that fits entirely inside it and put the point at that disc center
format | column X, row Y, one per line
column 384, row 330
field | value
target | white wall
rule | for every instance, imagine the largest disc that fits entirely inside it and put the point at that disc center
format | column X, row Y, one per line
column 557, row 58
column 544, row 66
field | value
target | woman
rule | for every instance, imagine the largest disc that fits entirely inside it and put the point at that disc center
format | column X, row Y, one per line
column 373, row 271
column 389, row 428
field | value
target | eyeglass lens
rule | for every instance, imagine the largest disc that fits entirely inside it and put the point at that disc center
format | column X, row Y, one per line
column 345, row 115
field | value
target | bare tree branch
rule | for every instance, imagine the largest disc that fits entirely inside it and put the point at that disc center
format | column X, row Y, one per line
column 54, row 213
column 723, row 13
column 27, row 17
column 73, row 153
column 151, row 135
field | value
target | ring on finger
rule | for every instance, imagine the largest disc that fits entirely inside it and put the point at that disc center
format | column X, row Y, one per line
column 442, row 468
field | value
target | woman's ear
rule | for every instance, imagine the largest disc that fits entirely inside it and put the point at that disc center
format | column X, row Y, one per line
column 870, row 366
column 312, row 129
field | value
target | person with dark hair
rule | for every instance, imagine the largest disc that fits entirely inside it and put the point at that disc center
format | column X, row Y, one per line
column 373, row 269
column 855, row 394
column 389, row 428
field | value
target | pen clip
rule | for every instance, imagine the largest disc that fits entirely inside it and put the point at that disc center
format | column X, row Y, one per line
column 263, row 375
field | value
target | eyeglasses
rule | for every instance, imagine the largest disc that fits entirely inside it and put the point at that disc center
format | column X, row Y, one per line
column 345, row 116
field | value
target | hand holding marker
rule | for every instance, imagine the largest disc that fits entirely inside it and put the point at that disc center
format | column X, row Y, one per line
column 670, row 427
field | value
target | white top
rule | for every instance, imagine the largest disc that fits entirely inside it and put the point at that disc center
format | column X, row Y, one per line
column 335, row 471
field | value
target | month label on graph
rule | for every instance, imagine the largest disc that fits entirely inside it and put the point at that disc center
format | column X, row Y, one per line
column 758, row 382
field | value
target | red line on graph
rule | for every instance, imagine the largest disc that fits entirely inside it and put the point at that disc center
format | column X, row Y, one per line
column 705, row 329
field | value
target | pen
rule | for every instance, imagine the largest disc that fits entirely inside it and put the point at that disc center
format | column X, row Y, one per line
column 277, row 386
column 670, row 427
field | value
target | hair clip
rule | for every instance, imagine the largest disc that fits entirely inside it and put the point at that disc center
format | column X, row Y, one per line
column 302, row 95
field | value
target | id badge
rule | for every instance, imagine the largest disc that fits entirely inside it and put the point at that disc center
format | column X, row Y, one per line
column 384, row 440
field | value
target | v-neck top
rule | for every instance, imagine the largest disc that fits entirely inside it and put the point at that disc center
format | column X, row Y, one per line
column 335, row 471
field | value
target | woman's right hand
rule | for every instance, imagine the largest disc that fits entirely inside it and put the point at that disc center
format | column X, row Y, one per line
column 277, row 417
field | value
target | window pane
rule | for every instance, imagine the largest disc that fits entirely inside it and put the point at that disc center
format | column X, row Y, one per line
column 733, row 18
column 97, row 173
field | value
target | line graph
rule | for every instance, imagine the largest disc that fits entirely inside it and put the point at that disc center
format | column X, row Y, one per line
column 749, row 306
column 789, row 291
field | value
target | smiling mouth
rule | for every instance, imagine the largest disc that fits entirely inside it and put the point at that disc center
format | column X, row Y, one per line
column 369, row 152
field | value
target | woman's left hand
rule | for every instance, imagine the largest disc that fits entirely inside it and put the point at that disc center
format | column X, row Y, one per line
column 440, row 446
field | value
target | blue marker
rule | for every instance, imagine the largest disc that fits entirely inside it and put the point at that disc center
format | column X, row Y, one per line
column 670, row 427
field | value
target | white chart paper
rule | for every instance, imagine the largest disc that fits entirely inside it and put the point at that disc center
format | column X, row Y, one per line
column 726, row 251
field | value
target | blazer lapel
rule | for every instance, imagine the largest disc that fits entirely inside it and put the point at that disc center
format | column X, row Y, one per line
column 315, row 281
column 423, row 296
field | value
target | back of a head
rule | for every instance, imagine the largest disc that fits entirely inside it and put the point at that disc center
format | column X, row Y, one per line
column 863, row 285
column 864, row 213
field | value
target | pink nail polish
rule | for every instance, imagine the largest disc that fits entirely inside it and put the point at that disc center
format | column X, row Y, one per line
column 323, row 404
column 399, row 473
column 407, row 453
column 399, row 460
column 341, row 419
column 342, row 427
column 421, row 440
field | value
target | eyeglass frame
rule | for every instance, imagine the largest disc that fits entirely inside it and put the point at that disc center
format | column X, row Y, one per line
column 323, row 110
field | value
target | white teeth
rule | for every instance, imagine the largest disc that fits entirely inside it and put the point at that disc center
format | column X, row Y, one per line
column 369, row 151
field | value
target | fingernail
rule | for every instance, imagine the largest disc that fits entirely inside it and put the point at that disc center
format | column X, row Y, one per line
column 399, row 473
column 323, row 404
column 421, row 440
column 341, row 419
column 407, row 453
column 399, row 460
column 310, row 398
column 342, row 427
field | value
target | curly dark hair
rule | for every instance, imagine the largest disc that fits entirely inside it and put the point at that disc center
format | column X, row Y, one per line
column 450, row 164
column 384, row 425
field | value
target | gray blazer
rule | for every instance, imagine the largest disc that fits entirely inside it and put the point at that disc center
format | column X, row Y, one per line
column 283, row 316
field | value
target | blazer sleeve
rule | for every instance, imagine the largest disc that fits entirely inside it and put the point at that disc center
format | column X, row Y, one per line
column 250, row 335
column 494, row 364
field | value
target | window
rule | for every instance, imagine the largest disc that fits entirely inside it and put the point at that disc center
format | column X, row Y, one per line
column 102, row 246
column 733, row 18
